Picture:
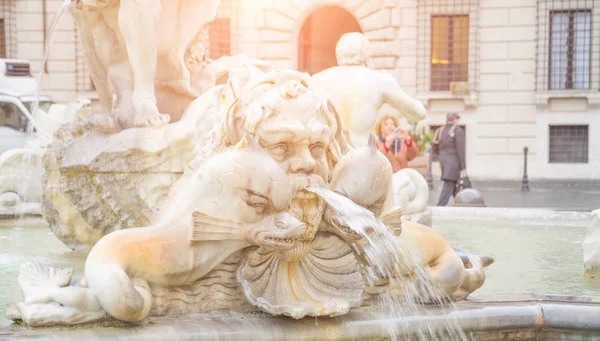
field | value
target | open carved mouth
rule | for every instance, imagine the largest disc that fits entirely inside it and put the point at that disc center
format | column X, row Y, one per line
column 286, row 241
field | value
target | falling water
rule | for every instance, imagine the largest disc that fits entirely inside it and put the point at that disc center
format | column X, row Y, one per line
column 40, row 77
column 387, row 256
column 45, row 137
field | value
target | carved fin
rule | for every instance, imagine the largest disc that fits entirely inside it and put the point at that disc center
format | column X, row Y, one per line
column 372, row 142
column 206, row 227
column 486, row 260
column 393, row 219
column 35, row 276
column 466, row 261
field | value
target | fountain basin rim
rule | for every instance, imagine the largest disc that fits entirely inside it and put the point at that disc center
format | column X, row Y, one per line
column 364, row 323
column 494, row 213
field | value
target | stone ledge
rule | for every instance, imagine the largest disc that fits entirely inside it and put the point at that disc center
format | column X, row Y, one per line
column 479, row 318
column 542, row 99
column 527, row 214
column 469, row 100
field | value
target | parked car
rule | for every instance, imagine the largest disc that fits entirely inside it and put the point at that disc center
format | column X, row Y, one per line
column 17, row 97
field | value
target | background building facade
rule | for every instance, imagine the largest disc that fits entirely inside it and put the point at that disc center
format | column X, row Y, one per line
column 522, row 73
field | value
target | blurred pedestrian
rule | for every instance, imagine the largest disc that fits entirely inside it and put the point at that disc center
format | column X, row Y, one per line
column 449, row 144
column 395, row 142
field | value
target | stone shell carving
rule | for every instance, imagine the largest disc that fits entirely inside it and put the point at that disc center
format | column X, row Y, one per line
column 318, row 278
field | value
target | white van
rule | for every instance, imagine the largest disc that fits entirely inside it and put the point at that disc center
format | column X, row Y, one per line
column 17, row 96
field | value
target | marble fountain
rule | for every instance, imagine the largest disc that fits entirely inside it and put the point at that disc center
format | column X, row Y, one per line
column 230, row 200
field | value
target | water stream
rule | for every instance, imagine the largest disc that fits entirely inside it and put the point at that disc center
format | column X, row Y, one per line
column 40, row 76
column 387, row 257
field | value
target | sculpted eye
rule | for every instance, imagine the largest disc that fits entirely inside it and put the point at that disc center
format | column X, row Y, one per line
column 317, row 150
column 278, row 149
column 257, row 202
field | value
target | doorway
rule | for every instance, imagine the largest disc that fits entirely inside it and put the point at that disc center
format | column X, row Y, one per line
column 319, row 34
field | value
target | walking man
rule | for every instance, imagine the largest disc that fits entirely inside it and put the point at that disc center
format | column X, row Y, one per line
column 449, row 141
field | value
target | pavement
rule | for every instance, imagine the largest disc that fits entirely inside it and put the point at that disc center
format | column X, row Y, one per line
column 560, row 195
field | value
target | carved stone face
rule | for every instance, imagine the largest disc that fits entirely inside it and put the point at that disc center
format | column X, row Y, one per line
column 297, row 138
column 246, row 186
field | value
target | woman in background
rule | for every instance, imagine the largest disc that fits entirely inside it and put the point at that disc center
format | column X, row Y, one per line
column 394, row 142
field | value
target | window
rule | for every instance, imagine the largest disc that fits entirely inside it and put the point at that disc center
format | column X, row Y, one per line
column 570, row 49
column 219, row 37
column 11, row 116
column 449, row 50
column 568, row 144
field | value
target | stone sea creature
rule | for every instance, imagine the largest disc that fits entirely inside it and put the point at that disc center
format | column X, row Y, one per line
column 236, row 199
column 364, row 177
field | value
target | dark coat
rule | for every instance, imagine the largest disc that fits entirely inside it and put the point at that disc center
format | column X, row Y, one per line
column 451, row 149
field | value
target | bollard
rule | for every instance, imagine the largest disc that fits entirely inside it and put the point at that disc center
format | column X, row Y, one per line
column 525, row 181
column 429, row 176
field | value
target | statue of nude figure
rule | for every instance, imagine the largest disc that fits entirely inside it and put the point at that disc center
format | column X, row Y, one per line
column 357, row 91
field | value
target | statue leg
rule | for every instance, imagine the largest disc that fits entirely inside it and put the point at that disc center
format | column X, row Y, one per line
column 139, row 25
column 174, row 88
column 98, row 41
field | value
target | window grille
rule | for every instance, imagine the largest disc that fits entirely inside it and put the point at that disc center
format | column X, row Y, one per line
column 83, row 78
column 568, row 45
column 8, row 32
column 447, row 44
column 568, row 144
column 224, row 30
column 219, row 37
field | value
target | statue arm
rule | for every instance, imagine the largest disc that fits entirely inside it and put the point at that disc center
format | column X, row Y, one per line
column 393, row 95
